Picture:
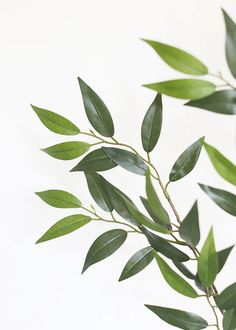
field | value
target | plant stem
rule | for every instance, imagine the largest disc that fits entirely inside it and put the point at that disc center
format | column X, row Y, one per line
column 219, row 76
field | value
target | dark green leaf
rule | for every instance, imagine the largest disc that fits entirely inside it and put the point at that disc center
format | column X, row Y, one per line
column 96, row 111
column 223, row 256
column 227, row 298
column 229, row 319
column 104, row 246
column 222, row 165
column 95, row 161
column 137, row 263
column 224, row 199
column 59, row 198
column 178, row 59
column 151, row 126
column 180, row 319
column 55, row 122
column 189, row 228
column 208, row 264
column 191, row 89
column 184, row 270
column 186, row 161
column 174, row 280
column 230, row 44
column 67, row 150
column 126, row 159
column 65, row 226
column 200, row 286
column 223, row 102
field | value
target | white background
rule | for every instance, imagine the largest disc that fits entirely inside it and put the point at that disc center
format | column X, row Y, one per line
column 45, row 45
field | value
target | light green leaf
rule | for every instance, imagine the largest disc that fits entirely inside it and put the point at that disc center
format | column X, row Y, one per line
column 67, row 150
column 65, row 226
column 189, row 227
column 230, row 44
column 227, row 298
column 223, row 256
column 229, row 319
column 59, row 198
column 178, row 59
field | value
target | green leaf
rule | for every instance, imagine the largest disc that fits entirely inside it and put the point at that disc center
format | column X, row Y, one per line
column 227, row 298
column 67, row 150
column 191, row 89
column 65, row 226
column 161, row 245
column 151, row 126
column 154, row 201
column 208, row 264
column 126, row 159
column 180, row 319
column 229, row 319
column 189, row 227
column 55, row 122
column 104, row 246
column 225, row 168
column 224, row 199
column 96, row 161
column 223, row 102
column 184, row 270
column 178, row 59
column 230, row 44
column 186, row 161
column 223, row 256
column 98, row 190
column 96, row 111
column 59, row 199
column 137, row 263
column 174, row 280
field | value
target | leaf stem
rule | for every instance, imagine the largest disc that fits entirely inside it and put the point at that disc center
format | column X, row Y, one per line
column 219, row 76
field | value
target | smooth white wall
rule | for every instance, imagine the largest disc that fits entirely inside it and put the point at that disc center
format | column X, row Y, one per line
column 44, row 46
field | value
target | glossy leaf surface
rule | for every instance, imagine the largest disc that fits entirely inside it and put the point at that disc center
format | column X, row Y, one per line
column 189, row 227
column 67, row 150
column 230, row 44
column 227, row 298
column 229, row 319
column 223, row 256
column 59, row 198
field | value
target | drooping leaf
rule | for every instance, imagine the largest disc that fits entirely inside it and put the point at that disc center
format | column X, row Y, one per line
column 59, row 198
column 104, row 246
column 225, row 168
column 184, row 270
column 229, row 319
column 67, row 150
column 96, row 161
column 161, row 245
column 223, row 256
column 151, row 126
column 186, row 161
column 126, row 159
column 98, row 190
column 208, row 264
column 65, row 226
column 190, row 89
column 223, row 102
column 55, row 122
column 224, row 199
column 227, row 298
column 96, row 110
column 180, row 319
column 230, row 44
column 175, row 280
column 189, row 227
column 178, row 59
column 137, row 263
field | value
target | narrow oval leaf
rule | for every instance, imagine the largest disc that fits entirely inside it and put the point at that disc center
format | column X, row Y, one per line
column 224, row 199
column 180, row 319
column 137, row 263
column 229, row 319
column 151, row 126
column 184, row 270
column 98, row 190
column 65, row 226
column 230, row 44
column 67, row 150
column 96, row 161
column 55, row 122
column 225, row 168
column 190, row 89
column 223, row 256
column 59, row 198
column 189, row 227
column 178, row 59
column 223, row 102
column 126, row 159
column 186, row 161
column 208, row 264
column 96, row 111
column 104, row 246
column 227, row 298
column 174, row 280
